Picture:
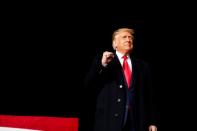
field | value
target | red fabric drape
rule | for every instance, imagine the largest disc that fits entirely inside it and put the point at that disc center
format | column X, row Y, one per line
column 40, row 122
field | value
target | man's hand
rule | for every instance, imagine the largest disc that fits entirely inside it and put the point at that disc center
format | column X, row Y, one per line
column 106, row 58
column 152, row 128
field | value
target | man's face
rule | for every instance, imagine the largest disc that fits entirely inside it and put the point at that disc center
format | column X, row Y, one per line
column 124, row 42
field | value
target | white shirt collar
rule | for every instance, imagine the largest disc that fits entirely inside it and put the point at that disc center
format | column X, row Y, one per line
column 120, row 55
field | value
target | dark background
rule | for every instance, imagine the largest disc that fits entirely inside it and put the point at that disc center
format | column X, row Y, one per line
column 47, row 49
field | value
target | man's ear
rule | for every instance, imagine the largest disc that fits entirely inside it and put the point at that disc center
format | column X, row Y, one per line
column 114, row 44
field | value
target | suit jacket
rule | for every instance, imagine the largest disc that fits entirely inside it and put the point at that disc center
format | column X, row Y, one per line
column 109, row 87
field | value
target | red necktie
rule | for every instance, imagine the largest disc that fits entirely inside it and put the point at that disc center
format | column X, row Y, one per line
column 127, row 70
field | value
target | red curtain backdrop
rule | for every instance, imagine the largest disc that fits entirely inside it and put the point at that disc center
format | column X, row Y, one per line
column 40, row 122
